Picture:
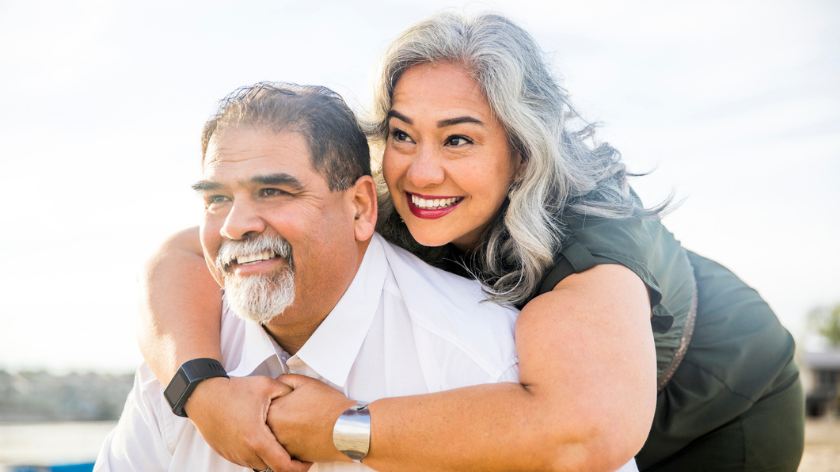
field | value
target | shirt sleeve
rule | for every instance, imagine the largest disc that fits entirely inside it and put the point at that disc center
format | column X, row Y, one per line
column 139, row 442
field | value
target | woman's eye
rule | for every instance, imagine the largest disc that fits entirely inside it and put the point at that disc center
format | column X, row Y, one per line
column 458, row 141
column 400, row 135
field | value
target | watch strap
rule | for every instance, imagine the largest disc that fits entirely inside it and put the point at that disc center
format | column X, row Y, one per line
column 189, row 375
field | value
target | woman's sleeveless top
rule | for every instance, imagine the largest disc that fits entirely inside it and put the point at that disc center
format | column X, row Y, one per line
column 652, row 253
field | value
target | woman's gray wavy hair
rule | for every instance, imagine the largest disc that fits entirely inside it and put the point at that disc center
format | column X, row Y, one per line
column 564, row 172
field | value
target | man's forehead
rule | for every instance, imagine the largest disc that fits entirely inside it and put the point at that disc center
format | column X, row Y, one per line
column 246, row 153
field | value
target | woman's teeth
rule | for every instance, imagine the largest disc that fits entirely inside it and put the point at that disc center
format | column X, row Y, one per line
column 433, row 203
column 260, row 256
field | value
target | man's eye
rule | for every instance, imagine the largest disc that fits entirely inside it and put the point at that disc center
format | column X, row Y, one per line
column 215, row 200
column 458, row 141
column 272, row 192
column 400, row 135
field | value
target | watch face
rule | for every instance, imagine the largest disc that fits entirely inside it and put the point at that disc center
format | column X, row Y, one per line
column 176, row 388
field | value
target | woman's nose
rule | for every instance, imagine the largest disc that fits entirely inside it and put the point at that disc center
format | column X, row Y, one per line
column 426, row 169
column 242, row 221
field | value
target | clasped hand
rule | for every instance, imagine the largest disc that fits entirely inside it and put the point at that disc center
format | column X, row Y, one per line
column 258, row 422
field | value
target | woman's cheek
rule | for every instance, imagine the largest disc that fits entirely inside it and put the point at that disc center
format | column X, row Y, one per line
column 391, row 170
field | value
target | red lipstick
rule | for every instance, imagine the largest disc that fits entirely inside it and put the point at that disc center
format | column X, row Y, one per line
column 426, row 213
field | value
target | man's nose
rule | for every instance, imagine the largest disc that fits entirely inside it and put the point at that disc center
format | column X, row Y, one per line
column 426, row 169
column 242, row 220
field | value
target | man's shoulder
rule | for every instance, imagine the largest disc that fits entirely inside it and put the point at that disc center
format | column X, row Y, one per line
column 452, row 312
column 409, row 268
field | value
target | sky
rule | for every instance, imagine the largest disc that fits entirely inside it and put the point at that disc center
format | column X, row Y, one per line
column 733, row 106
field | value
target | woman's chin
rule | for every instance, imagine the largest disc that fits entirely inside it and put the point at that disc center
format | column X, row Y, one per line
column 431, row 242
column 428, row 238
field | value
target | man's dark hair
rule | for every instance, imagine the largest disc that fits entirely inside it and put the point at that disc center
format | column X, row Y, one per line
column 339, row 149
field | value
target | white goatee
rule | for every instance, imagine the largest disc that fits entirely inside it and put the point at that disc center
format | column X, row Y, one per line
column 258, row 297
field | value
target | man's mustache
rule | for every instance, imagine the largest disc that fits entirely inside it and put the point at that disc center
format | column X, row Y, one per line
column 230, row 250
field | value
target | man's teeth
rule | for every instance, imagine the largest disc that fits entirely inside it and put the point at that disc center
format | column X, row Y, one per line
column 260, row 256
column 433, row 203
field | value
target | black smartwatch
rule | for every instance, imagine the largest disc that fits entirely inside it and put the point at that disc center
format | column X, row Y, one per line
column 188, row 377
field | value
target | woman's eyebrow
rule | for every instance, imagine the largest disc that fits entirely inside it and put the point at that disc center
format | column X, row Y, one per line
column 399, row 116
column 441, row 123
column 458, row 120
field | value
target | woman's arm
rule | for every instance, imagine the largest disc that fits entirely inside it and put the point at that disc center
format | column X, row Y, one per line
column 585, row 402
column 180, row 306
column 180, row 319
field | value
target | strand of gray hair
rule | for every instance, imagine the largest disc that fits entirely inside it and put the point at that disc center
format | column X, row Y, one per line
column 567, row 170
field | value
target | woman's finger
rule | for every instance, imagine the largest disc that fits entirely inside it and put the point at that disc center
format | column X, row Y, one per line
column 277, row 389
column 231, row 416
column 293, row 381
column 275, row 457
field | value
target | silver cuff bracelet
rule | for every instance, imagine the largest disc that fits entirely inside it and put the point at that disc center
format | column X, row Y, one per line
column 351, row 434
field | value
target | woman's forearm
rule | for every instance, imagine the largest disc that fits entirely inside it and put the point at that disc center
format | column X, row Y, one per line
column 180, row 306
column 487, row 427
column 585, row 402
column 494, row 427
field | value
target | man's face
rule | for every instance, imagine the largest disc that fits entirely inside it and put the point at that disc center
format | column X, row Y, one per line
column 273, row 232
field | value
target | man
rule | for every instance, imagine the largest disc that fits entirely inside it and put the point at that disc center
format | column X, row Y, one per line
column 288, row 230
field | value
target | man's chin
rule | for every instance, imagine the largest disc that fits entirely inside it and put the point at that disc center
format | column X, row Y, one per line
column 260, row 298
column 260, row 318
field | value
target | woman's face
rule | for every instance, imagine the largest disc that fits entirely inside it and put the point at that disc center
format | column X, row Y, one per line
column 447, row 161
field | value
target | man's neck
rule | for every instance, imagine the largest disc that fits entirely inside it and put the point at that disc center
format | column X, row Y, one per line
column 290, row 343
column 311, row 308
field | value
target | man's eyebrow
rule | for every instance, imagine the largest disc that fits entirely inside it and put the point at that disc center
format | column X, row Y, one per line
column 204, row 185
column 277, row 179
column 270, row 179
column 399, row 116
column 458, row 120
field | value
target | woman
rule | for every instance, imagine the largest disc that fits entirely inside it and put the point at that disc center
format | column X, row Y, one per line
column 490, row 175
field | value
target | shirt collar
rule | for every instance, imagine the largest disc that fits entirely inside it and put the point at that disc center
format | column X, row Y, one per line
column 257, row 347
column 333, row 347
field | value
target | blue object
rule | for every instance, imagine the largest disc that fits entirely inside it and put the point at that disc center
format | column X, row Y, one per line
column 72, row 468
column 88, row 467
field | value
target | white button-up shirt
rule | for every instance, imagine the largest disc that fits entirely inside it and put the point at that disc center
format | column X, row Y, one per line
column 401, row 328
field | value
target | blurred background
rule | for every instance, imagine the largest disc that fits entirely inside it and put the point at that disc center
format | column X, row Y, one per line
column 735, row 106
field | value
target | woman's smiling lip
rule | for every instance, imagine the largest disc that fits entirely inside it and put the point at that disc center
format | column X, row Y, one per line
column 427, row 213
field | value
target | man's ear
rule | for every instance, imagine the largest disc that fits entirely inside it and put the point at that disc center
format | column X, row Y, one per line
column 363, row 195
